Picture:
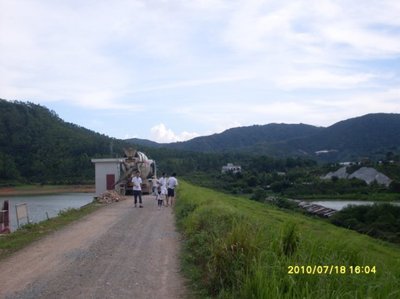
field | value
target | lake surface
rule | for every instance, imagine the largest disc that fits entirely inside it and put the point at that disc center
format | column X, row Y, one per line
column 340, row 204
column 38, row 205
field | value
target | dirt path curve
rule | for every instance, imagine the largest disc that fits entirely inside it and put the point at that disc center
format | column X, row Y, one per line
column 116, row 252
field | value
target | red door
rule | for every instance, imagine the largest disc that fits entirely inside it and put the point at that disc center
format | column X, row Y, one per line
column 110, row 181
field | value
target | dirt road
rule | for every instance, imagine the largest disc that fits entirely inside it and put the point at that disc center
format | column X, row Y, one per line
column 117, row 252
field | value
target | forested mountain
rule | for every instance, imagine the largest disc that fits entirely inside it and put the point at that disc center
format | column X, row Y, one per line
column 256, row 138
column 36, row 145
column 241, row 138
column 145, row 142
column 371, row 135
column 361, row 133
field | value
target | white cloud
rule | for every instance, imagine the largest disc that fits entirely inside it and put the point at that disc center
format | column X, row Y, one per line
column 318, row 78
column 308, row 44
column 160, row 133
column 269, row 27
column 56, row 53
column 217, row 63
column 320, row 109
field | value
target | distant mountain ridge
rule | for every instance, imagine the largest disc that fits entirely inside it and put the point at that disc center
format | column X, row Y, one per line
column 367, row 135
column 355, row 137
column 38, row 146
column 238, row 138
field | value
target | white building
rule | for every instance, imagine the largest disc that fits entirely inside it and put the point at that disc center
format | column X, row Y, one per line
column 107, row 173
column 231, row 168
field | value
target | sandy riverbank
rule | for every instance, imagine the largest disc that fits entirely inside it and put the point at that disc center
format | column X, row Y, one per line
column 46, row 189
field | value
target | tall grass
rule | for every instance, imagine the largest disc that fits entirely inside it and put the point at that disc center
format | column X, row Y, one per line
column 237, row 248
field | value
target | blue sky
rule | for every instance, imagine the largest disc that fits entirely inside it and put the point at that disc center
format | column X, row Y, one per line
column 172, row 70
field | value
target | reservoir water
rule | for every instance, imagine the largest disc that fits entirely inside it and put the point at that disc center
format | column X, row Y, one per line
column 340, row 204
column 42, row 206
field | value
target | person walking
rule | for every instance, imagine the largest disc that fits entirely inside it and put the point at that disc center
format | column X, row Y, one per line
column 160, row 198
column 155, row 184
column 172, row 183
column 162, row 182
column 137, row 189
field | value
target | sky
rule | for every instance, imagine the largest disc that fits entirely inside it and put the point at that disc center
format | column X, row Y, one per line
column 173, row 70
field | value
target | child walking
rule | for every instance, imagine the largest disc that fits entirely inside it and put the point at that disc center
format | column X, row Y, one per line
column 160, row 198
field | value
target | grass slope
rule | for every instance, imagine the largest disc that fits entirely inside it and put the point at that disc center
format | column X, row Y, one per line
column 237, row 248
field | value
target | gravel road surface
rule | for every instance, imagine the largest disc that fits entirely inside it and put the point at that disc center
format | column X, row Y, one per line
column 116, row 252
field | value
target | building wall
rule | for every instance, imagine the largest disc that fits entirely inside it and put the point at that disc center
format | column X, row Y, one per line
column 102, row 169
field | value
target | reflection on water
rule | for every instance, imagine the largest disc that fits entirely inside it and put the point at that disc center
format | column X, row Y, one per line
column 340, row 204
column 42, row 206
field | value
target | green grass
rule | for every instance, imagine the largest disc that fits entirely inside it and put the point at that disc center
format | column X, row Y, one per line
column 237, row 248
column 29, row 233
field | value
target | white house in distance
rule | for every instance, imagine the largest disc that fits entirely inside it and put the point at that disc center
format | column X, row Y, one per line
column 231, row 168
column 107, row 173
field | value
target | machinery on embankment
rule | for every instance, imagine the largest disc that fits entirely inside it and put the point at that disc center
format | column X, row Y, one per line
column 136, row 161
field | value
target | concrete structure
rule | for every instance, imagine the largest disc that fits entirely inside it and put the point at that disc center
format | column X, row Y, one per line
column 231, row 168
column 108, row 172
column 116, row 173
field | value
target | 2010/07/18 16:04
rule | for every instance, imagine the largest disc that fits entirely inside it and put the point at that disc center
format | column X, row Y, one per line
column 331, row 269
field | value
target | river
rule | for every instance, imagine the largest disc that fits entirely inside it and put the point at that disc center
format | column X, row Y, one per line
column 340, row 204
column 42, row 206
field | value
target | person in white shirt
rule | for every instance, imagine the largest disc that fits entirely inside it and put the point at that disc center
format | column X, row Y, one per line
column 162, row 182
column 172, row 183
column 155, row 184
column 137, row 188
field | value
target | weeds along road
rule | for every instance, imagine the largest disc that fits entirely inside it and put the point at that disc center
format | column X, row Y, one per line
column 116, row 252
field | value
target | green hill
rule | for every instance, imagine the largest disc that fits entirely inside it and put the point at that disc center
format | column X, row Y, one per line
column 239, row 139
column 37, row 146
column 236, row 248
column 371, row 135
column 366, row 136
